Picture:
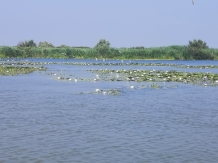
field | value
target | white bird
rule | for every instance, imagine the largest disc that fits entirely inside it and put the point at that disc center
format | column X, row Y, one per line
column 104, row 93
column 97, row 76
column 132, row 86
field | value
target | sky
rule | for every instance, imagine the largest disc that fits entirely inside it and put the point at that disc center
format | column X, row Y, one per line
column 124, row 23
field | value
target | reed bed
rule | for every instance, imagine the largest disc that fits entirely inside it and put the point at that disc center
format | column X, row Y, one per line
column 161, row 53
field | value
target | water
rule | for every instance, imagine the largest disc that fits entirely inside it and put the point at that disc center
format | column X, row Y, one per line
column 46, row 120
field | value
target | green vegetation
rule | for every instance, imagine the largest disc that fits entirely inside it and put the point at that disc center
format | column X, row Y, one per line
column 196, row 78
column 197, row 50
column 15, row 70
column 113, row 92
column 103, row 48
column 45, row 45
column 200, row 51
column 29, row 43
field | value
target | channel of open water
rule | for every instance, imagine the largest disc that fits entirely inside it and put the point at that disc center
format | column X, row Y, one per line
column 47, row 120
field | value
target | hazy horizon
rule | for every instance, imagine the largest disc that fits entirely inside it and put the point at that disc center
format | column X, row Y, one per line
column 122, row 23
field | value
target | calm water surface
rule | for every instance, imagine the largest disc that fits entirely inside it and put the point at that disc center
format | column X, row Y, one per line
column 46, row 120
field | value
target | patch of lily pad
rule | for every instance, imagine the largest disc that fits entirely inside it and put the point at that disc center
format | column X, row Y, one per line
column 113, row 92
column 196, row 78
column 18, row 70
column 140, row 64
column 119, row 91
column 121, row 63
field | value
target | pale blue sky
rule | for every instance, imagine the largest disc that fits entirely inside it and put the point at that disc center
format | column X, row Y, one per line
column 124, row 23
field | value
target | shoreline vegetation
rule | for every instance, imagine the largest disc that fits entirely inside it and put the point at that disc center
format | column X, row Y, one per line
column 195, row 50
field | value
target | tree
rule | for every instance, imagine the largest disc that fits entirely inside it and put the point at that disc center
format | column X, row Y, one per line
column 63, row 46
column 199, row 50
column 199, row 44
column 103, row 47
column 29, row 43
column 45, row 44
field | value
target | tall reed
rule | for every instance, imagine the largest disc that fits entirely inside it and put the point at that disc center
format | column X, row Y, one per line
column 169, row 52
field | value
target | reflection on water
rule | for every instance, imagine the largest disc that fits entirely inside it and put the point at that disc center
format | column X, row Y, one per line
column 45, row 120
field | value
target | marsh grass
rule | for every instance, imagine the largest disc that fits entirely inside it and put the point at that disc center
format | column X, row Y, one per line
column 160, row 53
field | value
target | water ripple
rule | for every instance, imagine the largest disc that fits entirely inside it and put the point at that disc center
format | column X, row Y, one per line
column 43, row 120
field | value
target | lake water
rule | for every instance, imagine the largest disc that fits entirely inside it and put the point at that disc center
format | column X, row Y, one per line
column 43, row 119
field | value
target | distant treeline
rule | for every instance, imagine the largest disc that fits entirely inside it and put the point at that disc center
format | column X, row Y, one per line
column 196, row 49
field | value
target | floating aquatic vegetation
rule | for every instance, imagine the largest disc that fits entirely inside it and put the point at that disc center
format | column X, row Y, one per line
column 193, row 66
column 113, row 92
column 62, row 78
column 120, row 91
column 121, row 63
column 196, row 78
column 139, row 64
column 155, row 85
column 17, row 70
column 15, row 67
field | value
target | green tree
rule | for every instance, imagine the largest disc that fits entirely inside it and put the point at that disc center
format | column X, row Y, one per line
column 29, row 43
column 45, row 45
column 198, row 44
column 103, row 47
column 63, row 46
column 199, row 50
